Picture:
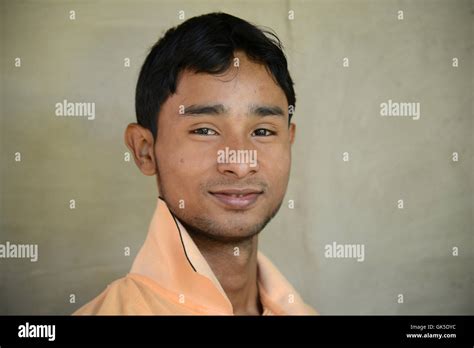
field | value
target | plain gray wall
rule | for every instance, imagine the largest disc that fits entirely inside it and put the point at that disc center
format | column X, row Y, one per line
column 407, row 251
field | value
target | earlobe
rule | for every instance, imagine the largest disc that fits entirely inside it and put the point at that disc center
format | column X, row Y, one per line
column 139, row 141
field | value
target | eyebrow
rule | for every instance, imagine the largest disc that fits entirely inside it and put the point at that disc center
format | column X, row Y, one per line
column 220, row 109
column 194, row 110
column 266, row 110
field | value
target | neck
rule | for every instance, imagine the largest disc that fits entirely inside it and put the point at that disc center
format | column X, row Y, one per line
column 235, row 267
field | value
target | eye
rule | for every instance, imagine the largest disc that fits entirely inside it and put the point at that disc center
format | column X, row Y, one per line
column 262, row 132
column 204, row 131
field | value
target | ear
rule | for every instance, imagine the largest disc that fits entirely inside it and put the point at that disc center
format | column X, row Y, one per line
column 292, row 132
column 139, row 141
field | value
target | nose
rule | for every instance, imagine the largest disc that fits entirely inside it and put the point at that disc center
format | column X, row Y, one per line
column 237, row 159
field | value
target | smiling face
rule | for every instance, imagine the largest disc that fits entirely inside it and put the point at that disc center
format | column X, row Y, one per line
column 208, row 182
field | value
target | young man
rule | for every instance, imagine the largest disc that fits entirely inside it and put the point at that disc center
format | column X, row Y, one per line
column 214, row 102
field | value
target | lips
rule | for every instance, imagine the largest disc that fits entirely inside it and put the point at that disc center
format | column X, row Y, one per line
column 236, row 198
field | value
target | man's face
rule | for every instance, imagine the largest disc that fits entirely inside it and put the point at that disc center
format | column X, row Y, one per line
column 207, row 181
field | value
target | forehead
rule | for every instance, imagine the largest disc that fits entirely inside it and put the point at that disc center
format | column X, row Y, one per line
column 247, row 83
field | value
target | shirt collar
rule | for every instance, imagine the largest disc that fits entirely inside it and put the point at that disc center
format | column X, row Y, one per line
column 170, row 258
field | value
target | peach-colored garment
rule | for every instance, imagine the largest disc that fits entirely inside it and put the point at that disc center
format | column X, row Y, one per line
column 170, row 276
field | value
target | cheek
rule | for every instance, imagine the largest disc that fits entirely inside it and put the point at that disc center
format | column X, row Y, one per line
column 184, row 166
column 275, row 165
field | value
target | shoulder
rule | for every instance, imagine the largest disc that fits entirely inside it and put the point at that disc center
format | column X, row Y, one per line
column 129, row 295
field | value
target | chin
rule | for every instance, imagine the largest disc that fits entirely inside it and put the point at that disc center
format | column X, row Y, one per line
column 238, row 230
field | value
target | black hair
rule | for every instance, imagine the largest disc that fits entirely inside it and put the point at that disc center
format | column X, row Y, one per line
column 205, row 44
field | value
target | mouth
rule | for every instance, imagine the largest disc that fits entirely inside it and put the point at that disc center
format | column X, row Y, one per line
column 238, row 199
